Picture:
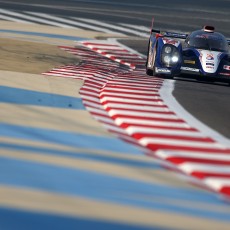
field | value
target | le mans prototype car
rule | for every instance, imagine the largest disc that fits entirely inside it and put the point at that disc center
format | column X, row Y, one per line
column 202, row 54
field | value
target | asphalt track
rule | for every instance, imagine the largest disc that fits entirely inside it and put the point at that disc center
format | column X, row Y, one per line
column 120, row 196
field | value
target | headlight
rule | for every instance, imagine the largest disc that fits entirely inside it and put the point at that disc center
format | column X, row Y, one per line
column 175, row 59
column 170, row 55
column 167, row 49
column 167, row 59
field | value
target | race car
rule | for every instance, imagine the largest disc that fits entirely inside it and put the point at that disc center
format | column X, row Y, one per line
column 202, row 54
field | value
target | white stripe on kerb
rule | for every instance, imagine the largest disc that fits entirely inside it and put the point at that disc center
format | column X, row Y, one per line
column 217, row 183
column 104, row 99
column 131, row 90
column 113, row 112
column 189, row 167
column 117, row 95
column 90, row 98
column 196, row 155
column 100, row 111
column 181, row 143
column 132, row 85
column 129, row 107
column 103, row 48
column 131, row 130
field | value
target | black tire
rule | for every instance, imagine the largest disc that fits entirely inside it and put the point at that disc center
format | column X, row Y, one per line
column 149, row 72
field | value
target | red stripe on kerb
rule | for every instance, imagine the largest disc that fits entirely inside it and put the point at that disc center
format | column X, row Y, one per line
column 180, row 160
column 147, row 118
column 203, row 175
column 114, row 92
column 130, row 97
column 225, row 190
column 147, row 88
column 136, row 110
column 155, row 147
column 166, row 127
column 174, row 137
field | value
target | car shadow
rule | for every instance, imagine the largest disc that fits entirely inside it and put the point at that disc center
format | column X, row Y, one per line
column 207, row 82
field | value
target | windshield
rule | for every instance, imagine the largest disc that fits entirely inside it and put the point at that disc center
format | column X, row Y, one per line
column 208, row 41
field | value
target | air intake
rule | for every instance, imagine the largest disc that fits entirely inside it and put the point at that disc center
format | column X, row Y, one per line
column 209, row 29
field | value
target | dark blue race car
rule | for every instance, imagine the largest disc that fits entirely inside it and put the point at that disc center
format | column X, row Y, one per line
column 203, row 54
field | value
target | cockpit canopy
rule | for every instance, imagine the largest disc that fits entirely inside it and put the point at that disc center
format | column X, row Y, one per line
column 207, row 40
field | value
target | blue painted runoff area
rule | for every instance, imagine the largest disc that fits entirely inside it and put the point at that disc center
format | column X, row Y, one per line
column 47, row 35
column 79, row 155
column 71, row 139
column 107, row 188
column 29, row 97
column 21, row 219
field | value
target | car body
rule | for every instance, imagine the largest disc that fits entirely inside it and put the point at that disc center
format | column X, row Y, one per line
column 202, row 54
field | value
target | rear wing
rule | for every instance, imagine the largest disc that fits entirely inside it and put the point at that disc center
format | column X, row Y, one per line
column 168, row 33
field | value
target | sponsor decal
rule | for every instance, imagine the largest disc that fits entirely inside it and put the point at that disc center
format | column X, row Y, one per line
column 171, row 41
column 189, row 69
column 202, row 36
column 177, row 35
column 227, row 67
column 209, row 60
column 201, row 56
column 210, row 57
column 189, row 62
column 162, row 70
column 226, row 74
column 209, row 36
column 210, row 64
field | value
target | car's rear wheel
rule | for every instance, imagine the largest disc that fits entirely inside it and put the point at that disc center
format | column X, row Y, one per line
column 149, row 72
